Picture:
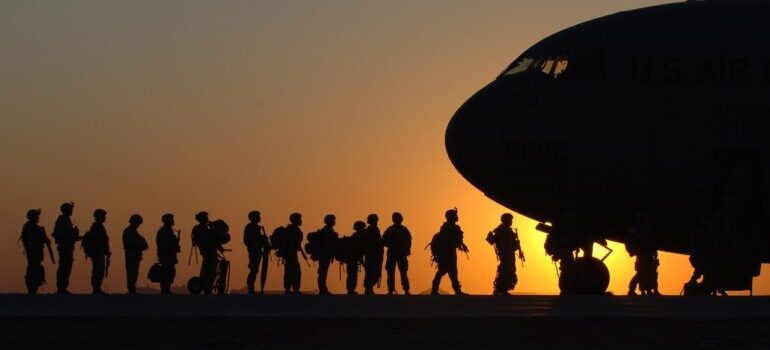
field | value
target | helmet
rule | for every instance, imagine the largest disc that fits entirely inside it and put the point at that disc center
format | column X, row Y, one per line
column 295, row 218
column 136, row 219
column 67, row 206
column 33, row 214
column 167, row 218
column 202, row 216
column 100, row 213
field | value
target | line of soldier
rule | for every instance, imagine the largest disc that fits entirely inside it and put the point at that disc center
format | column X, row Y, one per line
column 364, row 247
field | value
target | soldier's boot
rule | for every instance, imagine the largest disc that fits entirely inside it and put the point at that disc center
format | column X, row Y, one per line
column 434, row 288
column 457, row 288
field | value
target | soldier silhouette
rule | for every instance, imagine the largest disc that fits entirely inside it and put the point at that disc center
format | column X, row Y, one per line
column 96, row 245
column 561, row 245
column 506, row 243
column 168, row 249
column 641, row 243
column 327, row 240
column 258, row 247
column 350, row 253
column 444, row 246
column 133, row 245
column 373, row 254
column 65, row 234
column 398, row 240
column 292, row 276
column 204, row 238
column 34, row 239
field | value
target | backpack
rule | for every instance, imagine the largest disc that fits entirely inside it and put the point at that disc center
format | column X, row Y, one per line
column 346, row 250
column 278, row 241
column 440, row 246
column 88, row 244
column 221, row 231
column 156, row 273
column 143, row 244
column 313, row 245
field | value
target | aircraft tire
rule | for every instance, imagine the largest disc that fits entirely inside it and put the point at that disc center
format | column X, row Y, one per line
column 195, row 285
column 591, row 276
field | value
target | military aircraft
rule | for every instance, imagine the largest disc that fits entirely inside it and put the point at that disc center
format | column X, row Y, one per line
column 662, row 110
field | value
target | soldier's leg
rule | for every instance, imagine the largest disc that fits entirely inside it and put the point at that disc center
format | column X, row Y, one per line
column 440, row 272
column 28, row 279
column 498, row 279
column 352, row 279
column 286, row 276
column 32, row 278
column 452, row 271
column 369, row 277
column 323, row 272
column 297, row 280
column 390, row 268
column 208, row 272
column 97, row 273
column 132, row 273
column 263, row 271
column 403, row 269
column 169, row 270
column 251, row 278
column 64, row 269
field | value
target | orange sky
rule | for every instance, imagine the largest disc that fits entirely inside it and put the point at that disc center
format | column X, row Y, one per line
column 319, row 107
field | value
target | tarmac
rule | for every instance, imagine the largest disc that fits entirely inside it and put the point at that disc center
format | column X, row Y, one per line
column 382, row 322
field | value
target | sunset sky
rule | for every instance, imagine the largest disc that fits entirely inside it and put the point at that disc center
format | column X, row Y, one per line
column 312, row 106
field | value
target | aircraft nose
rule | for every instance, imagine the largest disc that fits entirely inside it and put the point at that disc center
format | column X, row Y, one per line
column 472, row 134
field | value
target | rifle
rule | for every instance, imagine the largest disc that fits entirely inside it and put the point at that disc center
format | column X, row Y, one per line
column 305, row 257
column 48, row 245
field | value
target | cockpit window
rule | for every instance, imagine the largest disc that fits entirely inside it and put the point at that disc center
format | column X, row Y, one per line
column 577, row 65
column 522, row 65
column 553, row 65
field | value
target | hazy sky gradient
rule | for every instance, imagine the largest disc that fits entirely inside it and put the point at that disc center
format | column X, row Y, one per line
column 313, row 106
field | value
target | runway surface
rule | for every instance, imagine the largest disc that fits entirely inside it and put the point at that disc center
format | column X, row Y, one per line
column 382, row 322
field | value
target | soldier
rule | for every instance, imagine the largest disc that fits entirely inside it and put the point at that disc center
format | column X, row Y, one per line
column 350, row 249
column 33, row 239
column 444, row 247
column 96, row 245
column 65, row 234
column 327, row 239
column 561, row 246
column 641, row 243
column 506, row 243
column 168, row 249
column 257, row 244
column 398, row 240
column 373, row 254
column 292, row 276
column 205, row 239
column 133, row 245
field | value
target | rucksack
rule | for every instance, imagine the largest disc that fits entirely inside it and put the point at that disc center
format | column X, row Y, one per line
column 346, row 250
column 156, row 273
column 440, row 246
column 221, row 231
column 88, row 244
column 278, row 241
column 313, row 245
